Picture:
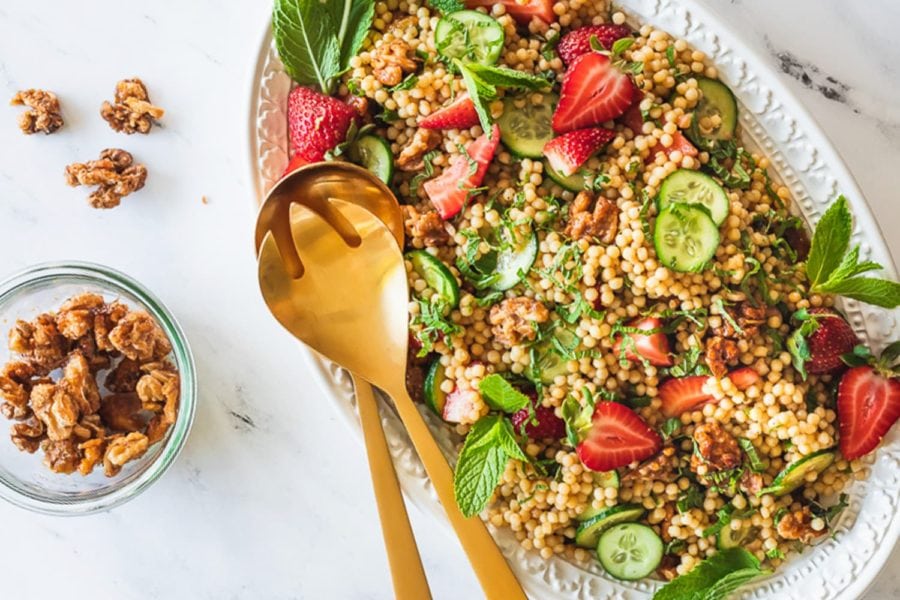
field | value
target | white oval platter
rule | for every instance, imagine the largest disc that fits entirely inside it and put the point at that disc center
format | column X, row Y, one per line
column 804, row 159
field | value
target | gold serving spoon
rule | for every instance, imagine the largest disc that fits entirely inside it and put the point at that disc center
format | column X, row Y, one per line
column 347, row 298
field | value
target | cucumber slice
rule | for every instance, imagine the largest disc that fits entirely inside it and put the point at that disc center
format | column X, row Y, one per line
column 525, row 130
column 630, row 551
column 436, row 275
column 574, row 183
column 717, row 99
column 693, row 187
column 374, row 153
column 469, row 35
column 514, row 260
column 549, row 363
column 435, row 397
column 685, row 237
column 794, row 475
column 588, row 533
column 732, row 538
column 607, row 479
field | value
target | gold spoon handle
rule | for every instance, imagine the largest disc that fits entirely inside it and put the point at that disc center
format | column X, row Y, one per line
column 407, row 572
column 496, row 577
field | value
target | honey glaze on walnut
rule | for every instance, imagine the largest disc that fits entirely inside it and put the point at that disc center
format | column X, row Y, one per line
column 89, row 385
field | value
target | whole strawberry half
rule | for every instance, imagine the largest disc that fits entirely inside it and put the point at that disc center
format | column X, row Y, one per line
column 316, row 122
column 449, row 190
column 593, row 91
column 636, row 346
column 819, row 341
column 868, row 405
column 617, row 437
column 544, row 424
column 684, row 394
column 459, row 114
column 578, row 41
column 571, row 150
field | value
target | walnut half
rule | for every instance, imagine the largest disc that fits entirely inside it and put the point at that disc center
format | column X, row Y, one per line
column 114, row 174
column 131, row 111
column 43, row 114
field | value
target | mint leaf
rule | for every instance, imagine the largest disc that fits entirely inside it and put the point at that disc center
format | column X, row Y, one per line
column 851, row 266
column 480, row 466
column 407, row 84
column 507, row 441
column 879, row 292
column 830, row 242
column 689, row 498
column 500, row 394
column 445, row 7
column 492, row 75
column 723, row 518
column 621, row 45
column 670, row 427
column 757, row 465
column 306, row 38
column 714, row 578
column 731, row 582
column 353, row 19
column 775, row 553
column 481, row 94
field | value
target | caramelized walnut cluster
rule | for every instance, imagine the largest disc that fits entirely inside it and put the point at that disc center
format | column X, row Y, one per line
column 75, row 421
column 43, row 112
column 131, row 111
column 598, row 223
column 114, row 174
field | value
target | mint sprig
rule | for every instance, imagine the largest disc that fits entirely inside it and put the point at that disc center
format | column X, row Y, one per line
column 834, row 268
column 714, row 578
column 482, row 82
column 500, row 394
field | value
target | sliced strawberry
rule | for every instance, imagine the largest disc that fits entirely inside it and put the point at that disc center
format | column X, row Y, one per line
column 744, row 377
column 617, row 437
column 317, row 123
column 460, row 406
column 294, row 164
column 593, row 91
column 868, row 405
column 653, row 347
column 522, row 12
column 832, row 336
column 683, row 394
column 633, row 119
column 571, row 150
column 679, row 142
column 449, row 190
column 544, row 425
column 578, row 41
column 459, row 114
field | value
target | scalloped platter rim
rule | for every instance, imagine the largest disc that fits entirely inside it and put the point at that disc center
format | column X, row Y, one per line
column 804, row 159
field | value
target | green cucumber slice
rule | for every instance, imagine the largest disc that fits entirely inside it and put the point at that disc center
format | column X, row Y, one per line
column 685, row 237
column 588, row 533
column 794, row 474
column 436, row 275
column 732, row 538
column 515, row 258
column 469, row 35
column 687, row 186
column 374, row 153
column 630, row 551
column 575, row 182
column 549, row 363
column 525, row 130
column 717, row 99
column 607, row 479
column 435, row 397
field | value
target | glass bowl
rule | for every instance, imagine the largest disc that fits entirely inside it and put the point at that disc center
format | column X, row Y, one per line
column 24, row 479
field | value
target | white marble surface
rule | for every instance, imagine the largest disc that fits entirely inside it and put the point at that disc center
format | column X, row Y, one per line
column 271, row 499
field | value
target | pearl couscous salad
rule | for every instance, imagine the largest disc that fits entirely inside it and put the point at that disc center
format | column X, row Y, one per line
column 613, row 303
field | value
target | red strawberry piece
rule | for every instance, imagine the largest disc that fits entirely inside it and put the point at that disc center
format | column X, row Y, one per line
column 544, row 425
column 617, row 437
column 679, row 143
column 460, row 406
column 578, row 41
column 683, row 394
column 593, row 91
column 294, row 164
column 744, row 377
column 317, row 122
column 522, row 12
column 832, row 337
column 459, row 114
column 449, row 190
column 652, row 347
column 868, row 405
column 633, row 119
column 571, row 150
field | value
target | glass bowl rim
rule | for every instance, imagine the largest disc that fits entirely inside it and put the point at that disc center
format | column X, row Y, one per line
column 114, row 280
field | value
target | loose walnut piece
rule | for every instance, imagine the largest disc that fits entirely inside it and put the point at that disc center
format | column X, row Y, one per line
column 105, row 321
column 11, row 411
column 659, row 468
column 122, row 449
column 158, row 389
column 601, row 224
column 390, row 61
column 114, row 174
column 79, row 384
column 27, row 435
column 716, row 449
column 124, row 378
column 40, row 342
column 425, row 226
column 131, row 112
column 749, row 319
column 61, row 456
column 91, row 453
column 139, row 337
column 513, row 320
column 44, row 114
column 56, row 408
column 15, row 382
column 412, row 156
column 121, row 412
column 797, row 525
column 720, row 353
column 76, row 315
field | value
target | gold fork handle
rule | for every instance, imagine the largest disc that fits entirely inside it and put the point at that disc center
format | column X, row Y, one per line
column 407, row 572
column 496, row 577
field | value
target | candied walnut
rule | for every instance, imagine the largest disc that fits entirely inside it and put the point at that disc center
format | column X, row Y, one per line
column 43, row 115
column 751, row 483
column 78, row 382
column 57, row 409
column 797, row 525
column 61, row 456
column 15, row 382
column 97, row 361
column 76, row 316
column 89, row 427
column 515, row 320
column 105, row 321
column 748, row 318
column 139, row 337
column 122, row 412
column 157, row 428
column 158, row 389
column 669, row 513
column 122, row 449
column 716, row 449
column 412, row 156
column 668, row 567
column 40, row 342
column 11, row 411
column 721, row 352
column 361, row 105
column 659, row 468
column 27, row 435
column 390, row 61
column 91, row 453
column 425, row 226
column 124, row 377
column 600, row 224
column 114, row 174
column 132, row 111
